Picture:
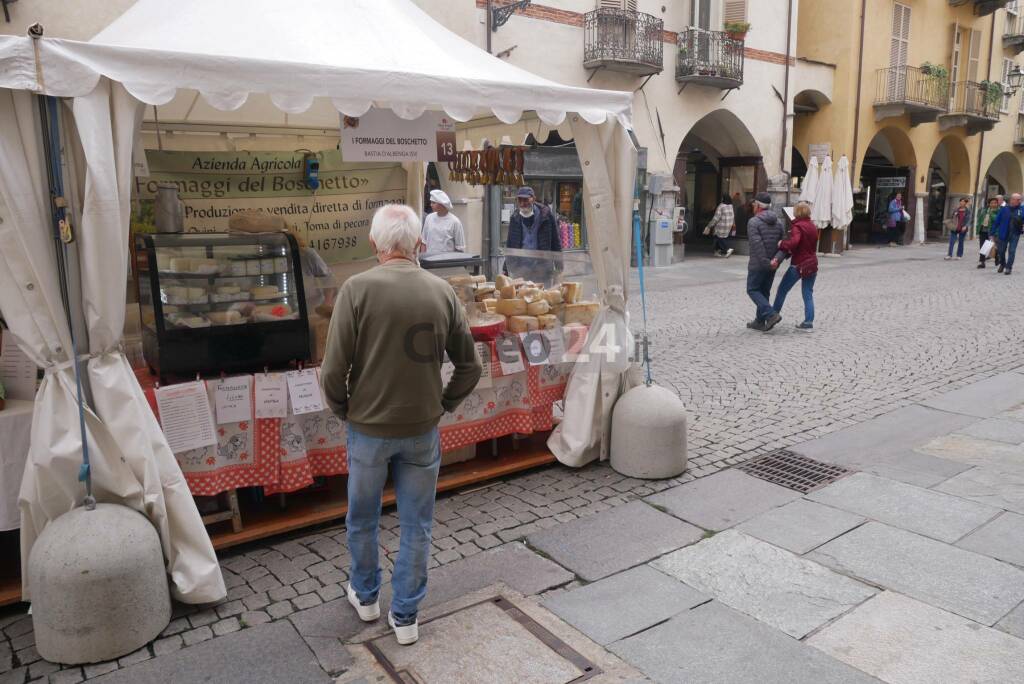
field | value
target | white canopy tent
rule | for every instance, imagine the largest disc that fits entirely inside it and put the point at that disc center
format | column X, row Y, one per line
column 207, row 63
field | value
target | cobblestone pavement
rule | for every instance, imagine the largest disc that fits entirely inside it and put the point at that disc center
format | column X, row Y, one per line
column 893, row 326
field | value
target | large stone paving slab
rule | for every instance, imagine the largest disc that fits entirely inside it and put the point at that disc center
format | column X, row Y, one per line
column 973, row 451
column 511, row 564
column 893, row 433
column 983, row 398
column 940, row 516
column 713, row 643
column 1000, row 488
column 611, row 541
column 1003, row 538
column 478, row 644
column 1014, row 622
column 268, row 654
column 904, row 641
column 962, row 582
column 800, row 525
column 765, row 582
column 722, row 500
column 909, row 466
column 624, row 604
column 997, row 430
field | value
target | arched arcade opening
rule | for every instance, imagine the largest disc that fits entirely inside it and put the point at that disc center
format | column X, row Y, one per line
column 887, row 169
column 717, row 156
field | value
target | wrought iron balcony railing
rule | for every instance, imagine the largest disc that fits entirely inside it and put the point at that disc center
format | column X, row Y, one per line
column 981, row 7
column 912, row 88
column 975, row 106
column 709, row 58
column 623, row 40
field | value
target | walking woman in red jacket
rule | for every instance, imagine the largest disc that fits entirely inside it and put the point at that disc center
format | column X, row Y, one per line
column 801, row 248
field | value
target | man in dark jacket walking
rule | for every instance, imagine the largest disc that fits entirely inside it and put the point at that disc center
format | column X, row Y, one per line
column 532, row 227
column 764, row 232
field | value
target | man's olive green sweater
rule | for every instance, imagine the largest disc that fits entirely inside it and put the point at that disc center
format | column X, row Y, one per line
column 382, row 366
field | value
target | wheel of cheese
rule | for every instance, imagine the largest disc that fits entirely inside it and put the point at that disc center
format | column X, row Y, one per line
column 518, row 324
column 265, row 292
column 538, row 307
column 511, row 307
column 547, row 321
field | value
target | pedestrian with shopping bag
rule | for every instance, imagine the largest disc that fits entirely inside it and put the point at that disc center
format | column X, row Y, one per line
column 800, row 249
column 986, row 240
column 958, row 222
column 722, row 225
column 897, row 217
column 1008, row 226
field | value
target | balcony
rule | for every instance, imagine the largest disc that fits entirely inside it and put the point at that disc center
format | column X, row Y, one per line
column 623, row 40
column 1013, row 33
column 709, row 58
column 908, row 90
column 981, row 7
column 973, row 106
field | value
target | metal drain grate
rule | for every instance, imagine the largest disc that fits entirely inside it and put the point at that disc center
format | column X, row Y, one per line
column 794, row 471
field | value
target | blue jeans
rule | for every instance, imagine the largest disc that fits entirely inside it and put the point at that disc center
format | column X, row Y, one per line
column 1008, row 249
column 759, row 289
column 414, row 463
column 953, row 236
column 806, row 285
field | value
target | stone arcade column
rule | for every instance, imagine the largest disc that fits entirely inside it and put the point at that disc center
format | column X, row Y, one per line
column 919, row 232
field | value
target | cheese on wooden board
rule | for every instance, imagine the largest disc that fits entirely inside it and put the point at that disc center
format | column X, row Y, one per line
column 265, row 292
column 224, row 317
column 501, row 281
column 547, row 321
column 552, row 296
column 538, row 307
column 508, row 292
column 519, row 324
column 511, row 307
column 228, row 289
column 582, row 313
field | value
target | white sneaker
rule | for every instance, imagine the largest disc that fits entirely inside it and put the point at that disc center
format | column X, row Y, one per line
column 947, row 258
column 366, row 613
column 729, row 252
column 405, row 634
column 959, row 258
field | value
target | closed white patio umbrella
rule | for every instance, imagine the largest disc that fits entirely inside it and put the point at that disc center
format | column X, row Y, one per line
column 810, row 184
column 821, row 212
column 842, row 196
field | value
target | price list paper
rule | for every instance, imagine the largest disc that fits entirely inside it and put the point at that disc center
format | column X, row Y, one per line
column 304, row 391
column 271, row 395
column 186, row 416
column 17, row 370
column 483, row 350
column 233, row 399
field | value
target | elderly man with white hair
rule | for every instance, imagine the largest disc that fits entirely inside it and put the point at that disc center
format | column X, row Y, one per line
column 382, row 374
column 442, row 230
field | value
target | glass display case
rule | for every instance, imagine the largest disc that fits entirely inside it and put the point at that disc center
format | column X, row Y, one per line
column 213, row 302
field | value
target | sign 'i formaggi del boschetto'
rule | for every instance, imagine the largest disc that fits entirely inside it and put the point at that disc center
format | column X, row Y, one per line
column 334, row 220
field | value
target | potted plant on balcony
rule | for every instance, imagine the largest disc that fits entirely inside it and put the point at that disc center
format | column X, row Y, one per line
column 991, row 93
column 737, row 30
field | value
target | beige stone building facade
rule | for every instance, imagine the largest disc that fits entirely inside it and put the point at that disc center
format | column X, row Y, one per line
column 922, row 103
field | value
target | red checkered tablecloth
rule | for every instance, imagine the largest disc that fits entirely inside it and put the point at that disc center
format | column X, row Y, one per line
column 285, row 454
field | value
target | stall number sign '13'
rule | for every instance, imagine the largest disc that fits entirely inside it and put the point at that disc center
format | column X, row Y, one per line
column 382, row 136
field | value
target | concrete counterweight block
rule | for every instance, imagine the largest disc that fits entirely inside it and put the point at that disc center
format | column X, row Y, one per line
column 99, row 587
column 649, row 434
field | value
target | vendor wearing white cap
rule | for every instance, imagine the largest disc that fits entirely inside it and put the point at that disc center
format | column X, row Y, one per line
column 442, row 230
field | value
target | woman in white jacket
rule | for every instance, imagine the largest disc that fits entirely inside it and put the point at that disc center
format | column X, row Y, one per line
column 723, row 225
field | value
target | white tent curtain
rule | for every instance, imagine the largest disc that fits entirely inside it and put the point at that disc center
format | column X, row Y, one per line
column 608, row 160
column 842, row 196
column 132, row 463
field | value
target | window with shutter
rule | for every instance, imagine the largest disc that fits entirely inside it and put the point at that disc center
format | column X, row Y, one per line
column 899, row 45
column 954, row 63
column 734, row 10
column 974, row 57
column 617, row 4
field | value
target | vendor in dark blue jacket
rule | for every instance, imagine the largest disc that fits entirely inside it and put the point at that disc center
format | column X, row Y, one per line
column 1007, row 229
column 532, row 227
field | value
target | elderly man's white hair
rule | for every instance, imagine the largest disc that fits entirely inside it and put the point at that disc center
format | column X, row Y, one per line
column 395, row 230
